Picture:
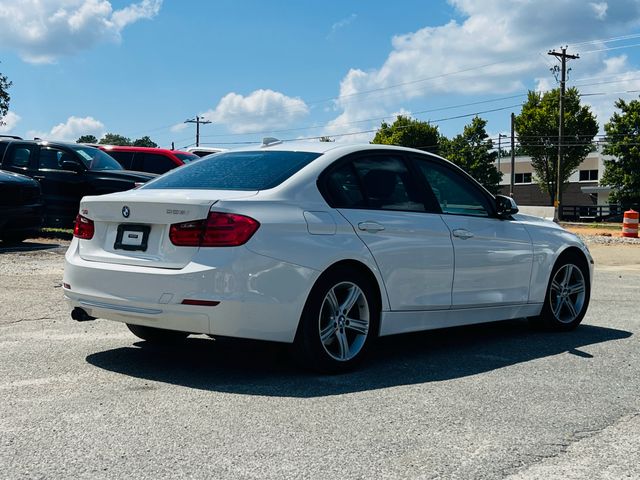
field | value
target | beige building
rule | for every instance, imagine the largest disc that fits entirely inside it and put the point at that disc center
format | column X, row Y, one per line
column 584, row 188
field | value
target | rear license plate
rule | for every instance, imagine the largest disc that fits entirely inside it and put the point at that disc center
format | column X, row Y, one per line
column 132, row 237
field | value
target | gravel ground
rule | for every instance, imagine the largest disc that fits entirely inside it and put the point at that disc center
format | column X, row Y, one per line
column 88, row 400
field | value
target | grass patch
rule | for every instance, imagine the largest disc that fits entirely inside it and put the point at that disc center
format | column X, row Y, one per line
column 57, row 233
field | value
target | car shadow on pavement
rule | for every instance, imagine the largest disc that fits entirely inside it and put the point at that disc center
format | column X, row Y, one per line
column 260, row 368
column 28, row 246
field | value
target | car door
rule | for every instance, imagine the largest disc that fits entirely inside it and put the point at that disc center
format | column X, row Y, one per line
column 493, row 256
column 62, row 187
column 379, row 196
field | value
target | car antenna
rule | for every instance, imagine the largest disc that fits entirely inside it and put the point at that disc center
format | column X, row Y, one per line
column 268, row 141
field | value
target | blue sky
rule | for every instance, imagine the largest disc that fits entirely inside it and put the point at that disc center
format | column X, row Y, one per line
column 300, row 69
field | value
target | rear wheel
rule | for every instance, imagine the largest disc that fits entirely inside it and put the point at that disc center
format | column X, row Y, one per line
column 14, row 238
column 568, row 294
column 338, row 322
column 157, row 335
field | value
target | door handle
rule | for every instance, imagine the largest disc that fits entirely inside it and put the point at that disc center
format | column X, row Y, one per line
column 462, row 233
column 370, row 226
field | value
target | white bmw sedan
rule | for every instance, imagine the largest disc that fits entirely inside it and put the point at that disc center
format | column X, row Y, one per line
column 319, row 245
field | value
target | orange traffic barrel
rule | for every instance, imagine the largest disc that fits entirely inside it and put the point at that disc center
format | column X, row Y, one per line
column 630, row 224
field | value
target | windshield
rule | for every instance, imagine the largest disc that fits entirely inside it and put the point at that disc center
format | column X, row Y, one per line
column 236, row 171
column 95, row 159
column 187, row 157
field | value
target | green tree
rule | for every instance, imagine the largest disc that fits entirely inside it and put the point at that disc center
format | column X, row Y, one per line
column 4, row 96
column 623, row 142
column 115, row 139
column 145, row 142
column 87, row 139
column 409, row 132
column 537, row 129
column 472, row 151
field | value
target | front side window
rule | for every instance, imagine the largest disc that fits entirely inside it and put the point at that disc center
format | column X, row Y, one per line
column 154, row 163
column 251, row 170
column 455, row 193
column 52, row 158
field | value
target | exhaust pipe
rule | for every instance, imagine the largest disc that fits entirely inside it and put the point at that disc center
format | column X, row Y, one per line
column 80, row 315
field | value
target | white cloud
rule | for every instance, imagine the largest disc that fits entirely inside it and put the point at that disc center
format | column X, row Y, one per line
column 600, row 9
column 9, row 122
column 261, row 110
column 179, row 127
column 72, row 129
column 342, row 23
column 41, row 31
column 507, row 39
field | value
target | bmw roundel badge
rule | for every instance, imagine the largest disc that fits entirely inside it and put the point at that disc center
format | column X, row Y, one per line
column 126, row 212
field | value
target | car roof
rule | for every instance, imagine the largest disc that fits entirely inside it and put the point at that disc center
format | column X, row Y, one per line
column 325, row 147
column 132, row 148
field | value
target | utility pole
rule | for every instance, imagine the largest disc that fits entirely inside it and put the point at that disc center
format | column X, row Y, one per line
column 563, row 56
column 197, row 120
column 513, row 154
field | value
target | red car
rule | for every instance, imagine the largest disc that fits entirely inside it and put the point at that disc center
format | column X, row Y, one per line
column 145, row 159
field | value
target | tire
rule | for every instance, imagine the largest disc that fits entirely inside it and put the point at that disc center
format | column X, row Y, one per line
column 14, row 238
column 568, row 293
column 339, row 320
column 157, row 335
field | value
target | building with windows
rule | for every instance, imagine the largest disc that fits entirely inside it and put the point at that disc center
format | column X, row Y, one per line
column 584, row 187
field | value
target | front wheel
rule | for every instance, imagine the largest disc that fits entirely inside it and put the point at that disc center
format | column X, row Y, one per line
column 339, row 320
column 568, row 294
column 157, row 335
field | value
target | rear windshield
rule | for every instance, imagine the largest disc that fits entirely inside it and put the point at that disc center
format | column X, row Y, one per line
column 236, row 171
column 187, row 157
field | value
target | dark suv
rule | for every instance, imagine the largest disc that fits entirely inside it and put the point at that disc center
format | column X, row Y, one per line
column 20, row 207
column 66, row 173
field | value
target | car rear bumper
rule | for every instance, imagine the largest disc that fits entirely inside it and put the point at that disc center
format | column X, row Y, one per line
column 259, row 297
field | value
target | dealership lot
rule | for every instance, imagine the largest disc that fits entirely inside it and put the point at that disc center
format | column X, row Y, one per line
column 87, row 400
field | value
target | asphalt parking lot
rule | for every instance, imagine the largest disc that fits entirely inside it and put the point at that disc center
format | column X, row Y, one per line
column 88, row 400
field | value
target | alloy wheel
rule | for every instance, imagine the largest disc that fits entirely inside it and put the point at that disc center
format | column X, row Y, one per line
column 568, row 292
column 344, row 321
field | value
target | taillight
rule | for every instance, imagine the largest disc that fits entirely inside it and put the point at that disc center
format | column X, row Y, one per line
column 83, row 228
column 218, row 230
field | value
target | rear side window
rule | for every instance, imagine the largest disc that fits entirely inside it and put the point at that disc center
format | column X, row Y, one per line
column 236, row 171
column 19, row 156
column 377, row 182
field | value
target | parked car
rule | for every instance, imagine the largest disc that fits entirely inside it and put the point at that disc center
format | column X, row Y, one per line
column 145, row 159
column 320, row 245
column 66, row 173
column 204, row 151
column 21, row 207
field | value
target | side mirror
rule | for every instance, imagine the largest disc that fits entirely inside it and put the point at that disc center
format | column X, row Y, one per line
column 505, row 206
column 70, row 165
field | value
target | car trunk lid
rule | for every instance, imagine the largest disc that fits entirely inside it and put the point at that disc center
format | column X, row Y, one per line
column 132, row 228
